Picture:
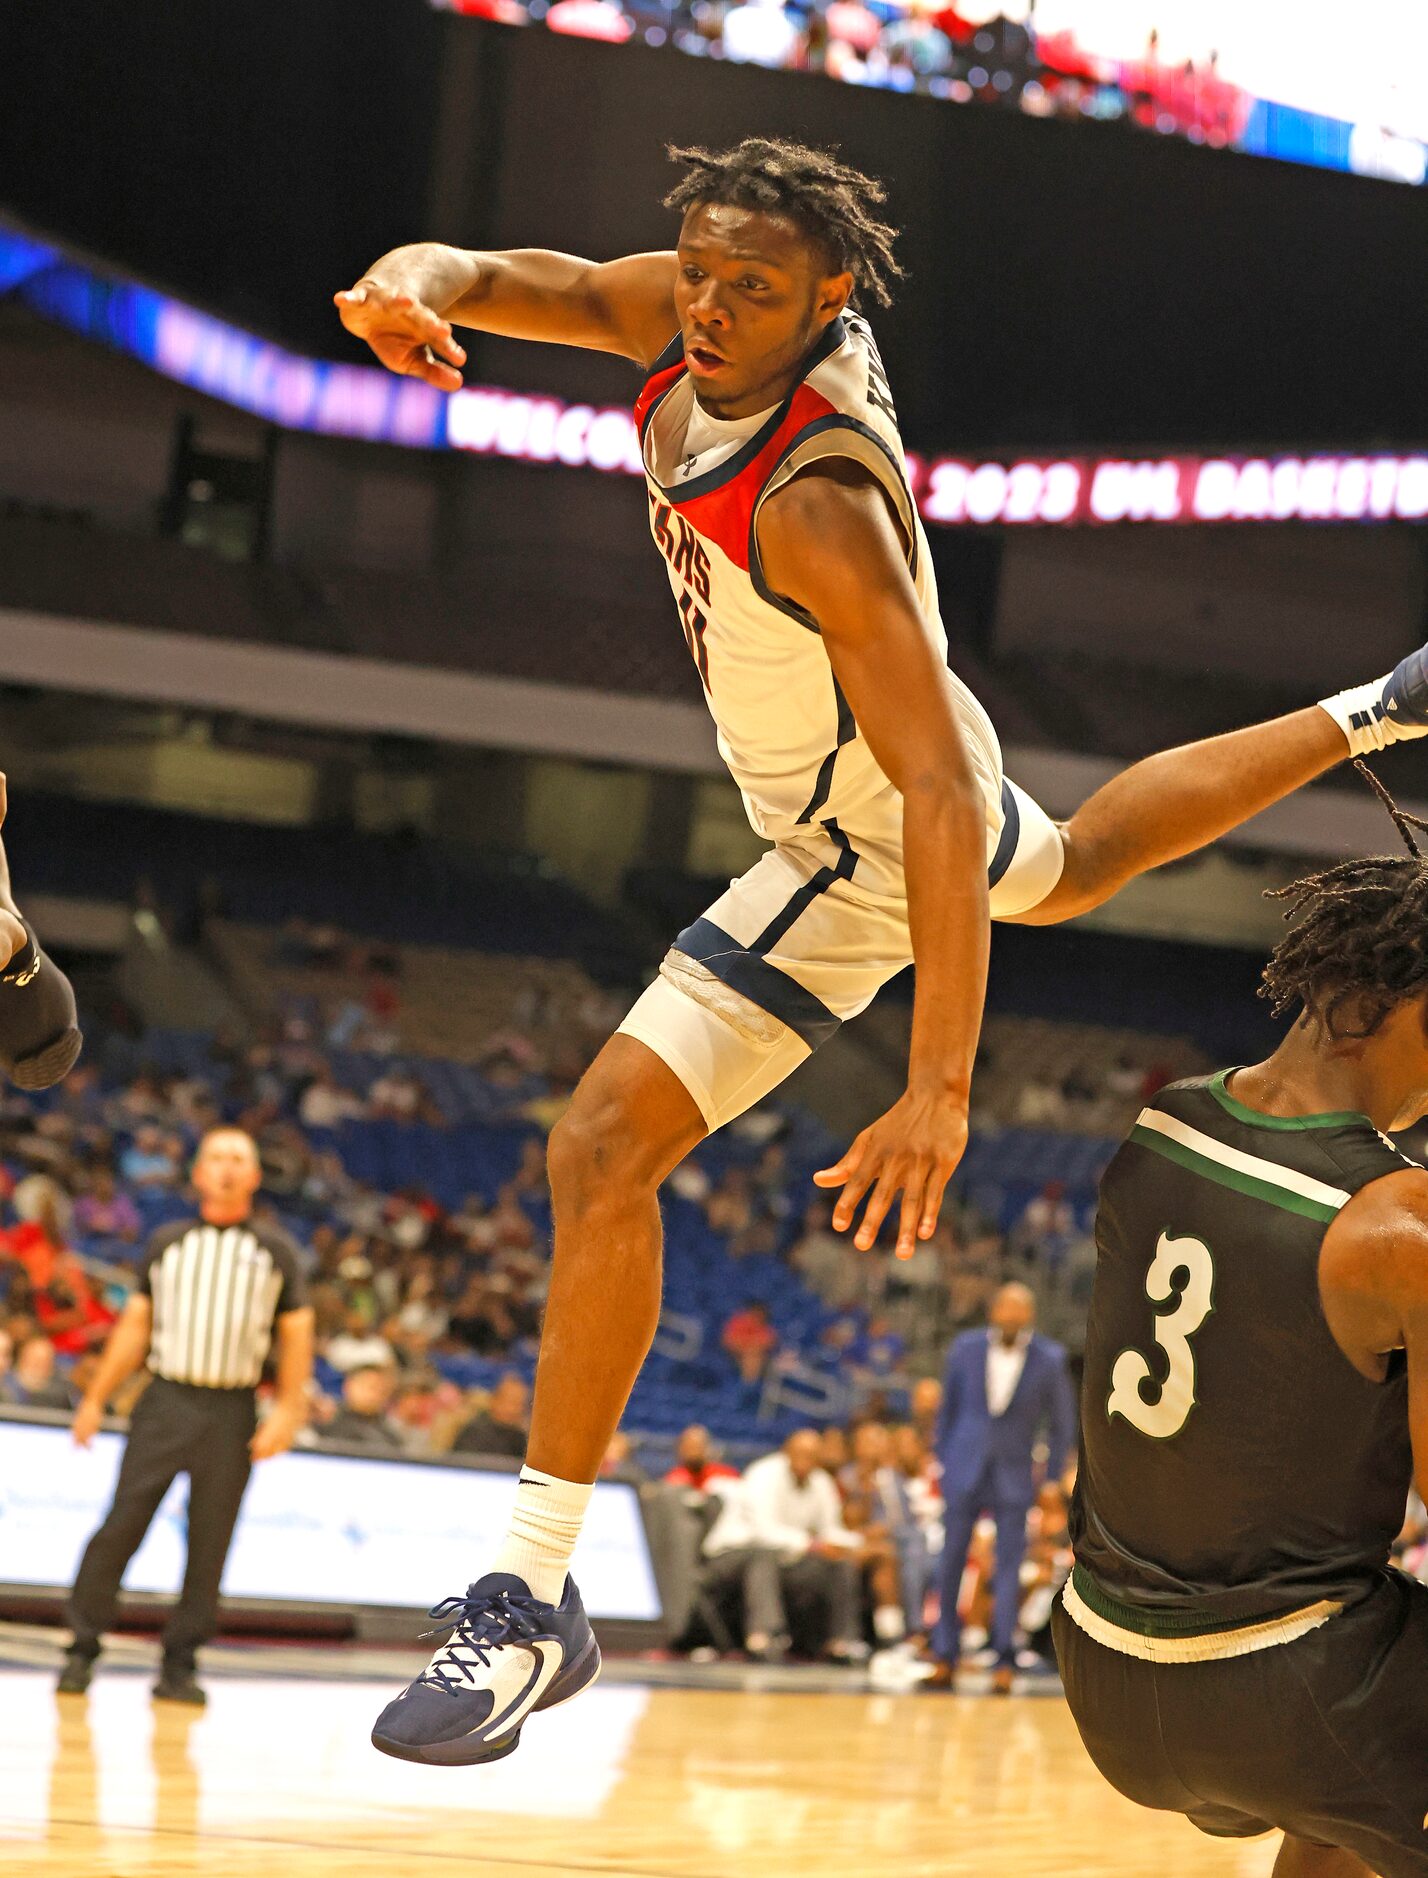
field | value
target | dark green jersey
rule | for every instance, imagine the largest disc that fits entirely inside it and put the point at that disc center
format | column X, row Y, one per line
column 1234, row 1463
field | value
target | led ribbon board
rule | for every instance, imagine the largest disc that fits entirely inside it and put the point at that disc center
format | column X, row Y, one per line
column 365, row 402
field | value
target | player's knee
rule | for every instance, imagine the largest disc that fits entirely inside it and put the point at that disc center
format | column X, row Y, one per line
column 596, row 1151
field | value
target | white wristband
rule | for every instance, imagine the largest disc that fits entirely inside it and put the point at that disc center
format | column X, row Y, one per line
column 1359, row 713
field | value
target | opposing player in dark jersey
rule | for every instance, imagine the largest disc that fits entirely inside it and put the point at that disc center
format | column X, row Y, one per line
column 1234, row 1644
column 39, row 1031
column 779, row 501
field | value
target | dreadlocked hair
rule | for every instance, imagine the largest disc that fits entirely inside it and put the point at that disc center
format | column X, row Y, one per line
column 1362, row 941
column 829, row 200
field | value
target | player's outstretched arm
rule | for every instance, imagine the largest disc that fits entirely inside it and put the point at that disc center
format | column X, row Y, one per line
column 406, row 305
column 1179, row 801
column 828, row 541
column 1373, row 1280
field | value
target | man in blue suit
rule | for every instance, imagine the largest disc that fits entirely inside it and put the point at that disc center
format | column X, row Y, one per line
column 1003, row 1386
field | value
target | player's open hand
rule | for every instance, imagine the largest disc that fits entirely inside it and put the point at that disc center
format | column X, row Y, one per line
column 406, row 336
column 912, row 1150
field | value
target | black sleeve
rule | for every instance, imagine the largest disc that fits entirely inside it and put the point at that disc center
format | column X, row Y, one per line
column 159, row 1242
column 288, row 1260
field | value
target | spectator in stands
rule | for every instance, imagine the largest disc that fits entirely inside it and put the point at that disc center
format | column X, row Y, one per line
column 920, row 1476
column 394, row 1096
column 70, row 1311
column 151, row 1161
column 362, row 1419
column 481, row 1319
column 926, row 1408
column 833, row 1450
column 876, row 1504
column 781, row 1537
column 618, row 1463
column 326, row 1104
column 696, row 1465
column 360, row 1345
column 1003, row 1386
column 104, row 1212
column 1039, row 1104
column 33, row 1381
column 879, row 1352
column 824, row 1259
column 502, row 1425
column 38, row 1242
column 7, row 1354
column 421, row 1313
column 750, row 1339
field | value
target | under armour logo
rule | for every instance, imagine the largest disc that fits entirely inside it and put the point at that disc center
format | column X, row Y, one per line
column 686, row 468
column 23, row 978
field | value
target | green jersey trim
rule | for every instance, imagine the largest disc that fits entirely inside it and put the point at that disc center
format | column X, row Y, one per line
column 1217, row 1086
column 1248, row 1174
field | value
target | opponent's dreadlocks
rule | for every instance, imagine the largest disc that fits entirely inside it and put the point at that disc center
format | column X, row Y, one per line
column 1363, row 941
column 829, row 200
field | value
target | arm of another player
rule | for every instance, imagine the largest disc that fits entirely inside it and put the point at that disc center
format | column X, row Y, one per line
column 126, row 1349
column 829, row 542
column 1373, row 1280
column 295, row 1330
column 406, row 304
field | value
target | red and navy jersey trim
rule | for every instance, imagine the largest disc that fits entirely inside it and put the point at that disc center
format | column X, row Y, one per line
column 832, row 420
column 661, row 379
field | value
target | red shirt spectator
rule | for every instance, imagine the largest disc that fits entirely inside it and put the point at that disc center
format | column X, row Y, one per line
column 750, row 1339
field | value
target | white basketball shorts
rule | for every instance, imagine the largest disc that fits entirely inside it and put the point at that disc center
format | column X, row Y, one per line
column 804, row 940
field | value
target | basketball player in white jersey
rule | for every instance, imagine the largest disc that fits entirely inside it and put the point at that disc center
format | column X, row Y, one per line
column 778, row 497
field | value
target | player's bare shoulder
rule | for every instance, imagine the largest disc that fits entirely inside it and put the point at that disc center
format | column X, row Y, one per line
column 1373, row 1266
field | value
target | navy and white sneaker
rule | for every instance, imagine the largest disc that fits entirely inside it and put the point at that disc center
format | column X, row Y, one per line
column 1405, row 694
column 507, row 1656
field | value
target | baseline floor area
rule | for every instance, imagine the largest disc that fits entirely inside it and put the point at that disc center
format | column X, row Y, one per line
column 277, row 1776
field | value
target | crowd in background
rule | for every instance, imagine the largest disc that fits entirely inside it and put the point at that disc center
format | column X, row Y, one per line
column 914, row 45
column 401, row 1283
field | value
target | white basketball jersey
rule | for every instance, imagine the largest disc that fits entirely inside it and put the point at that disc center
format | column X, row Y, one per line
column 785, row 729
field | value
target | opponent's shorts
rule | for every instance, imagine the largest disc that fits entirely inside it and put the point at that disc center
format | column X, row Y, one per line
column 1321, row 1737
column 804, row 940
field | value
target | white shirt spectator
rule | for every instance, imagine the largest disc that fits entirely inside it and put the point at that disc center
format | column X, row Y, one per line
column 760, row 33
column 1005, row 1362
column 347, row 1352
column 324, row 1105
column 769, row 1507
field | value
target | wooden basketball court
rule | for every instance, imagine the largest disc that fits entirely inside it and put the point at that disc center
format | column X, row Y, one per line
column 276, row 1779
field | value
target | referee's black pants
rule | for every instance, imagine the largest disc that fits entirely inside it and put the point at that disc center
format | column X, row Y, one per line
column 175, row 1429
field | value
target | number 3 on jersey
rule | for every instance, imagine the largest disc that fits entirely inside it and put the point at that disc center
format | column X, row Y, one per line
column 1190, row 1304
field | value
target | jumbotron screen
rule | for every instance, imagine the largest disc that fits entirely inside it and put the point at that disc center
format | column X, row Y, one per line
column 1278, row 78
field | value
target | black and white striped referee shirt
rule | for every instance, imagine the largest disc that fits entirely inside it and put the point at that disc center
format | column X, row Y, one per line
column 216, row 1291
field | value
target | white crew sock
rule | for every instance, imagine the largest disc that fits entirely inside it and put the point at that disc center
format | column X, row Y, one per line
column 1359, row 713
column 545, row 1523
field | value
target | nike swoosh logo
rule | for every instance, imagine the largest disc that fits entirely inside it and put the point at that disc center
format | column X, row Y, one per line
column 552, row 1654
column 523, row 1482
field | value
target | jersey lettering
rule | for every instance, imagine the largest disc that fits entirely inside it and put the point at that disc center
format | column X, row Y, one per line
column 695, row 627
column 1190, row 1304
column 680, row 546
column 879, row 390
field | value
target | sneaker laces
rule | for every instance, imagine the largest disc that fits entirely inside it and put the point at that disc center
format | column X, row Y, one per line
column 481, row 1626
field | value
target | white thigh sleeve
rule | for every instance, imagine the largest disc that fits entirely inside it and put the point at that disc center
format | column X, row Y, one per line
column 727, row 1057
column 1029, row 858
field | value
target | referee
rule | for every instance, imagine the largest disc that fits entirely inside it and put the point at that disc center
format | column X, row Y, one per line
column 211, row 1291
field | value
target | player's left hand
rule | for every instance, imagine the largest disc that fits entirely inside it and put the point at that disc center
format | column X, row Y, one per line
column 913, row 1150
column 274, row 1434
